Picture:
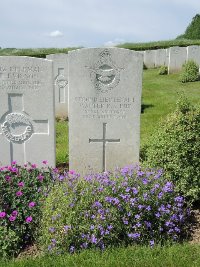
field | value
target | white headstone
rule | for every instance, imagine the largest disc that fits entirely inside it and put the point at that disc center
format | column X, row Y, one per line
column 150, row 58
column 104, row 108
column 27, row 117
column 161, row 58
column 60, row 67
column 177, row 57
column 193, row 53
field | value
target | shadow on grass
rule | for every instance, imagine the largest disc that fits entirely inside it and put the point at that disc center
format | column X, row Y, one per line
column 145, row 106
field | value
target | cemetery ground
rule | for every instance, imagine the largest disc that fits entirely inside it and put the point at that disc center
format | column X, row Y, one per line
column 160, row 94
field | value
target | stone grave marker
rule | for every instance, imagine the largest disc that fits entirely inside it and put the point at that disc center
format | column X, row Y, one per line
column 193, row 53
column 104, row 108
column 27, row 116
column 177, row 57
column 60, row 69
column 161, row 58
column 149, row 58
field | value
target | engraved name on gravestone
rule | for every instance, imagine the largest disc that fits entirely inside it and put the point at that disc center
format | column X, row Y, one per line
column 104, row 108
column 27, row 116
column 193, row 53
column 60, row 68
column 177, row 57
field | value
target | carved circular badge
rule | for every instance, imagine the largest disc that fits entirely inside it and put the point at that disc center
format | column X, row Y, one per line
column 105, row 75
column 61, row 81
column 17, row 127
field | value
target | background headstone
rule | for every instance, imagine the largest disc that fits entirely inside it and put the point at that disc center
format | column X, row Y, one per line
column 27, row 117
column 149, row 58
column 104, row 108
column 193, row 53
column 60, row 69
column 177, row 57
column 161, row 58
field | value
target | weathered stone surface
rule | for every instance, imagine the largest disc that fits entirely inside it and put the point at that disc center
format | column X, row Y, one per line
column 149, row 58
column 60, row 69
column 104, row 108
column 177, row 57
column 193, row 53
column 27, row 117
column 161, row 58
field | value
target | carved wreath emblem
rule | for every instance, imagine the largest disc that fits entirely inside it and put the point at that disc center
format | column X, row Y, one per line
column 17, row 127
column 105, row 74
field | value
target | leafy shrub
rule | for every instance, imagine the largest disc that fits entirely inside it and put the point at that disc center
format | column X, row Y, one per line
column 22, row 192
column 175, row 147
column 163, row 70
column 129, row 207
column 190, row 72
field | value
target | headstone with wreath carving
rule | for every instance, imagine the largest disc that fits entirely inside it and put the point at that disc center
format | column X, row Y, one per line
column 27, row 119
column 60, row 69
column 104, row 108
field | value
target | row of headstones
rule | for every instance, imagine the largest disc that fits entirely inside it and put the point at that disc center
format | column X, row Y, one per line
column 104, row 102
column 173, row 57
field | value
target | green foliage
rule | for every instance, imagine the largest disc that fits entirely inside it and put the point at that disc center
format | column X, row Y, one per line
column 9, row 241
column 22, row 192
column 175, row 148
column 163, row 70
column 31, row 52
column 159, row 44
column 193, row 30
column 128, row 207
column 190, row 72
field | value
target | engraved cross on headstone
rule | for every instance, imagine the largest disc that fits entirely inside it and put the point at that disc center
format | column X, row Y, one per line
column 61, row 82
column 104, row 140
column 17, row 127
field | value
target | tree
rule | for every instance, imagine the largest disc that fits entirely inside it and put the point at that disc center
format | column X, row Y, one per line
column 192, row 32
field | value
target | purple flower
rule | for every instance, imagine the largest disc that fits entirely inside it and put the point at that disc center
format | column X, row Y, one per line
column 72, row 249
column 67, row 228
column 19, row 193
column 135, row 191
column 148, row 208
column 51, row 229
column 12, row 218
column 152, row 243
column 110, row 227
column 21, row 184
column 93, row 239
column 134, row 236
column 137, row 216
column 44, row 162
column 145, row 181
column 92, row 227
column 72, row 172
column 31, row 204
column 29, row 219
column 14, row 162
column 34, row 166
column 14, row 213
column 157, row 214
column 2, row 214
column 40, row 177
column 168, row 187
column 8, row 178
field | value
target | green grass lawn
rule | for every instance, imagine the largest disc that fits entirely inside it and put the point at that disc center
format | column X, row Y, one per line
column 159, row 96
column 173, row 256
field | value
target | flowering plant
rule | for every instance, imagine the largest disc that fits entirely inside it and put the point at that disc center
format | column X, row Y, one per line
column 131, row 206
column 22, row 192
